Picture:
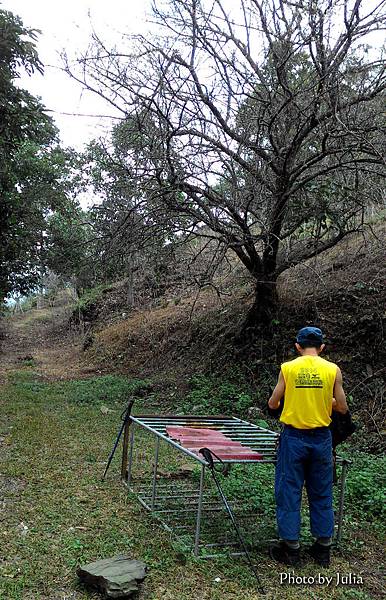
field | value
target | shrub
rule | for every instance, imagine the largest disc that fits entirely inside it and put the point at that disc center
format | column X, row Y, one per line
column 212, row 395
column 366, row 486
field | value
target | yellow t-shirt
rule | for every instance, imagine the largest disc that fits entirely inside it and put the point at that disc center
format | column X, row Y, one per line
column 309, row 385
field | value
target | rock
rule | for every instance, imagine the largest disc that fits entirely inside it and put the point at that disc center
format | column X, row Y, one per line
column 254, row 412
column 116, row 577
column 23, row 529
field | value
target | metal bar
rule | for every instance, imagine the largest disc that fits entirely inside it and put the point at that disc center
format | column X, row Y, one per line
column 228, row 433
column 342, row 460
column 252, row 435
column 154, row 487
column 257, row 440
column 215, row 425
column 125, row 449
column 130, row 460
column 231, row 421
column 171, row 497
column 246, row 435
column 238, row 461
column 231, row 434
column 144, row 503
column 256, row 426
column 184, row 419
column 205, row 425
column 224, row 431
column 232, row 554
column 186, row 422
column 193, row 417
column 204, row 507
column 164, row 486
column 341, row 501
column 231, row 425
column 243, row 435
column 234, row 437
column 219, row 544
column 199, row 512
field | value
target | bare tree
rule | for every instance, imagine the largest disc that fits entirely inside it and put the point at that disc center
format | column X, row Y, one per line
column 261, row 120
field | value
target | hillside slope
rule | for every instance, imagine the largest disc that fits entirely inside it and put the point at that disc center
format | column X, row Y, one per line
column 343, row 291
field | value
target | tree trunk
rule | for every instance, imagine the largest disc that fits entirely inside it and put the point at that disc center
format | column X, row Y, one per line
column 39, row 300
column 262, row 311
column 130, row 286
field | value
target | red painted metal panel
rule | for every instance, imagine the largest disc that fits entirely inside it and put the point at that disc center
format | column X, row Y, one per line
column 220, row 444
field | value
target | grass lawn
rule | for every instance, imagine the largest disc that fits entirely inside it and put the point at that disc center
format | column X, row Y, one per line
column 56, row 513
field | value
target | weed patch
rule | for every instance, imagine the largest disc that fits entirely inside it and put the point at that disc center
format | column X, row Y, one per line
column 366, row 486
column 108, row 389
column 215, row 395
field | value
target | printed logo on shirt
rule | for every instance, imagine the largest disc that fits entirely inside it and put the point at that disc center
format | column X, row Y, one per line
column 308, row 377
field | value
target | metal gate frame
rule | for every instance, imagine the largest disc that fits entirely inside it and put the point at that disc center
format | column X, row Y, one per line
column 258, row 438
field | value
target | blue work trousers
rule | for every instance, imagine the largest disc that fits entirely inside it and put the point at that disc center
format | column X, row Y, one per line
column 304, row 457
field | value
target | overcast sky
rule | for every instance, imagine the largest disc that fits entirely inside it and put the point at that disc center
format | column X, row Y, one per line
column 66, row 25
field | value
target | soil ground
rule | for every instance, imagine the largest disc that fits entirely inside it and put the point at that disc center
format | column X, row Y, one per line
column 40, row 338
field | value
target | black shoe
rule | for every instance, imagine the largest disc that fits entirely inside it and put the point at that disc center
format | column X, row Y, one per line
column 321, row 554
column 284, row 554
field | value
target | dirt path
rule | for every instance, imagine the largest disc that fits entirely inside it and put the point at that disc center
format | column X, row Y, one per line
column 40, row 338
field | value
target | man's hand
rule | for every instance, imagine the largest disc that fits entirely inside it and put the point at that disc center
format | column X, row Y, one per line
column 275, row 412
column 339, row 403
column 278, row 393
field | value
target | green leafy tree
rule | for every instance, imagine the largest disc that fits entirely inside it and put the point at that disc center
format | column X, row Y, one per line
column 28, row 163
column 70, row 251
column 133, row 238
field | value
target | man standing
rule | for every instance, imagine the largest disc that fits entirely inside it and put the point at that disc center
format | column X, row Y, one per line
column 311, row 387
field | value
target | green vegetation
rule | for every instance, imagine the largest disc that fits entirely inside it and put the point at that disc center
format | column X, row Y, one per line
column 106, row 389
column 215, row 395
column 109, row 389
column 60, row 513
column 366, row 486
column 210, row 394
column 90, row 297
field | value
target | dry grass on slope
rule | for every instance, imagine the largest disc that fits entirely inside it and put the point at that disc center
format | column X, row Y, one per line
column 358, row 261
column 161, row 338
column 342, row 291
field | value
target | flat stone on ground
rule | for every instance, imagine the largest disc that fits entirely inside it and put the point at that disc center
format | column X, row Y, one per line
column 116, row 577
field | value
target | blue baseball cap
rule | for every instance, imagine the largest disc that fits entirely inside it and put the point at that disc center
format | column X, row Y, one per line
column 309, row 334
